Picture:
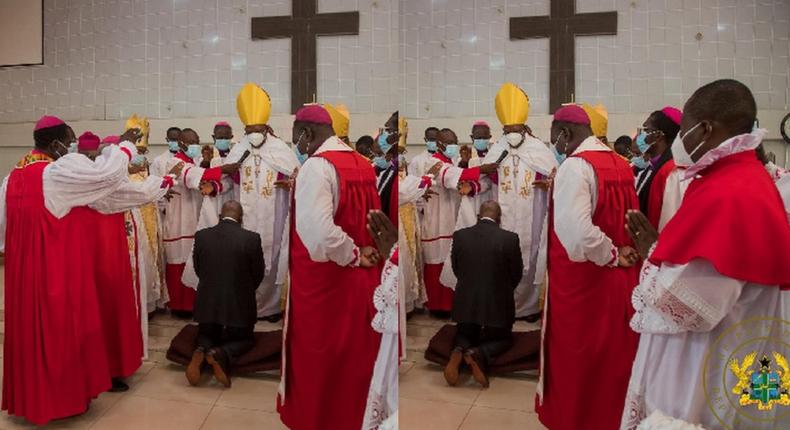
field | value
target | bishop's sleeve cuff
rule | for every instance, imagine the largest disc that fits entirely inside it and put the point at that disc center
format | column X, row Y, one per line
column 212, row 174
column 470, row 174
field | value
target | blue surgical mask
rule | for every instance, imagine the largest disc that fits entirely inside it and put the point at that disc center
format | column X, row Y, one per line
column 193, row 151
column 381, row 162
column 73, row 147
column 222, row 144
column 172, row 146
column 639, row 162
column 481, row 144
column 641, row 142
column 301, row 157
column 385, row 147
column 451, row 151
column 560, row 157
column 138, row 160
column 431, row 144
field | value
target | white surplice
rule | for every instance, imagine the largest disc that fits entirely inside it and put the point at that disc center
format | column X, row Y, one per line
column 74, row 180
column 524, row 211
column 209, row 217
column 417, row 167
column 266, row 210
column 440, row 212
column 182, row 211
column 783, row 184
column 674, row 190
column 411, row 286
column 383, row 393
column 681, row 310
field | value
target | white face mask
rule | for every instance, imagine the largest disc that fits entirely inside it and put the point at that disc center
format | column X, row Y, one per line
column 514, row 139
column 255, row 139
column 679, row 154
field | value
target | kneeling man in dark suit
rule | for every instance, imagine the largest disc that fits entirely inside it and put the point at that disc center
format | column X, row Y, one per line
column 487, row 263
column 229, row 263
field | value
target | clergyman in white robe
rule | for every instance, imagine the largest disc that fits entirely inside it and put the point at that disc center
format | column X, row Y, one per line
column 266, row 208
column 524, row 211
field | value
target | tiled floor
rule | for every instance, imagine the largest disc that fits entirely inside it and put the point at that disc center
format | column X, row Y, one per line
column 161, row 398
column 428, row 403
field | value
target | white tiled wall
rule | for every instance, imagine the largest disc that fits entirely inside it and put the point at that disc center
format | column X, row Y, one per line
column 457, row 53
column 106, row 59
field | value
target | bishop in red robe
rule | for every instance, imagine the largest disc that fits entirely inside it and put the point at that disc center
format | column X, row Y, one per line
column 588, row 346
column 330, row 346
column 53, row 325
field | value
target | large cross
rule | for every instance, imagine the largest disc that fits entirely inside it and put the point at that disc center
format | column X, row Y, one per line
column 561, row 27
column 302, row 27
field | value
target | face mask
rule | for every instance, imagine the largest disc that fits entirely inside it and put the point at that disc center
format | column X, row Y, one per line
column 301, row 157
column 193, row 151
column 401, row 160
column 451, row 151
column 381, row 162
column 679, row 154
column 639, row 162
column 383, row 144
column 73, row 147
column 255, row 139
column 560, row 157
column 431, row 144
column 222, row 144
column 641, row 142
column 514, row 139
column 172, row 145
column 481, row 144
column 138, row 160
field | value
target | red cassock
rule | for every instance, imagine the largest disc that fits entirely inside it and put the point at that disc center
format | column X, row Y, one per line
column 589, row 346
column 656, row 196
column 330, row 346
column 53, row 360
column 118, row 296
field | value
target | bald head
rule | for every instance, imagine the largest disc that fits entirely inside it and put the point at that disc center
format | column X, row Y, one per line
column 491, row 209
column 727, row 102
column 232, row 209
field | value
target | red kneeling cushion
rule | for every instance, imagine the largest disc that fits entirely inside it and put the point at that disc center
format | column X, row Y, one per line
column 523, row 355
column 265, row 355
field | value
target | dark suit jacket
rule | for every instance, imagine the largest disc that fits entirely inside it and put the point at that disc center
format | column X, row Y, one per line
column 229, row 262
column 487, row 262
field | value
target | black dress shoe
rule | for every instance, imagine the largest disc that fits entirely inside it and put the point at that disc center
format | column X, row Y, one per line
column 477, row 365
column 534, row 317
column 441, row 314
column 451, row 370
column 118, row 386
column 218, row 360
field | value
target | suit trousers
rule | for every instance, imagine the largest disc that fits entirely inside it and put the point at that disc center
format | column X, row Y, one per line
column 234, row 341
column 490, row 341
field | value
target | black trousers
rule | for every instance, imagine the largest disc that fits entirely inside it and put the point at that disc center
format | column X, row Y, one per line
column 490, row 341
column 234, row 341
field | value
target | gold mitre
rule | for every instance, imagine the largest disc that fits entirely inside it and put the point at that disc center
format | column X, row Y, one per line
column 135, row 121
column 340, row 120
column 599, row 118
column 403, row 131
column 511, row 105
column 253, row 105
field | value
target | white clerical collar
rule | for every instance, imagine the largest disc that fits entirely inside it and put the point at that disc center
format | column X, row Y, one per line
column 488, row 218
column 227, row 218
column 591, row 144
column 332, row 144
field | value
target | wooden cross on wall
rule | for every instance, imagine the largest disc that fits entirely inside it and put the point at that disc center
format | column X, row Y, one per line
column 562, row 27
column 302, row 27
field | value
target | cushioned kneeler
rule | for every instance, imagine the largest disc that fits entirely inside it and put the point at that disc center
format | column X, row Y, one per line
column 265, row 355
column 523, row 355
